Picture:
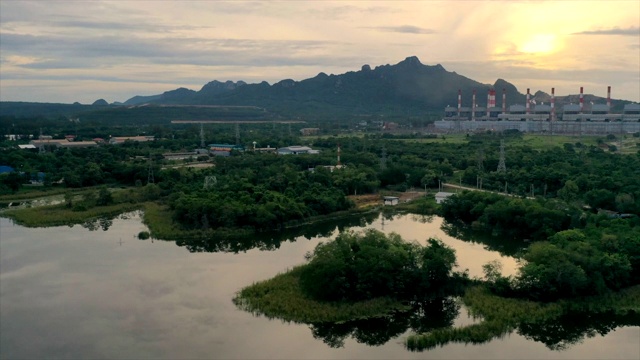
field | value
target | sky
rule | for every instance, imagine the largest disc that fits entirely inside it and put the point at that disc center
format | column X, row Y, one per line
column 68, row 51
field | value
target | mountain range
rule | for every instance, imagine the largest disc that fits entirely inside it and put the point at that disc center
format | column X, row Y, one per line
column 408, row 88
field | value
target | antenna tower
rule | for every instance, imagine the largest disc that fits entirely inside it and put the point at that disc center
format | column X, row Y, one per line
column 502, row 167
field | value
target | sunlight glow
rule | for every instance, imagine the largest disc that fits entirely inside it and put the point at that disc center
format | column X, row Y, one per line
column 539, row 43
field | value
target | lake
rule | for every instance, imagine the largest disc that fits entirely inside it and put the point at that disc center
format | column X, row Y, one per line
column 86, row 292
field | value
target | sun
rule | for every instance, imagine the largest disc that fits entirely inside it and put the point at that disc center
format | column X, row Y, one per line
column 539, row 44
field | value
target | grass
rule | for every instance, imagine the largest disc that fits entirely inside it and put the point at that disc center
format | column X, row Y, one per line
column 30, row 193
column 281, row 297
column 441, row 139
column 543, row 142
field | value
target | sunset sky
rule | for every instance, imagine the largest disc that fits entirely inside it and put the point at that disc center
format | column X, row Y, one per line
column 67, row 51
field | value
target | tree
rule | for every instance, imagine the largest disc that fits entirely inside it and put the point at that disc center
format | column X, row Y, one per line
column 357, row 267
column 104, row 197
column 569, row 192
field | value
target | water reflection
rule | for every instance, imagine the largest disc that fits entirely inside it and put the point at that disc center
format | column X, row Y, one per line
column 271, row 241
column 572, row 327
column 511, row 246
column 422, row 317
column 103, row 223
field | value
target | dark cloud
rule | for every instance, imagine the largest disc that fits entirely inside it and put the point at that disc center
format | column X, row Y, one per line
column 405, row 29
column 632, row 31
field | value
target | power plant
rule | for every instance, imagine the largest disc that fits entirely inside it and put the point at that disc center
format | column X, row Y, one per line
column 534, row 117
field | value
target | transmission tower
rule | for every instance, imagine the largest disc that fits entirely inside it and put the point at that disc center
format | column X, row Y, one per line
column 209, row 182
column 480, row 161
column 201, row 135
column 237, row 133
column 150, row 179
column 41, row 149
column 383, row 159
column 502, row 167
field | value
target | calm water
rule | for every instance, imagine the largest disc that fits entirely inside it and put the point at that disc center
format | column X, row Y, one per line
column 72, row 292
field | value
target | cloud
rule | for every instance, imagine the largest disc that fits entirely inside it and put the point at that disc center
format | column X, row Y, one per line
column 95, row 52
column 632, row 31
column 405, row 29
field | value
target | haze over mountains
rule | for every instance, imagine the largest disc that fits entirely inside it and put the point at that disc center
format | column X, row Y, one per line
column 406, row 88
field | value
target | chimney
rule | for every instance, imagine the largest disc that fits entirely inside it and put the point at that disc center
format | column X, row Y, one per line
column 609, row 97
column 488, row 101
column 581, row 100
column 459, row 101
column 527, row 105
column 553, row 104
column 473, row 106
column 504, row 101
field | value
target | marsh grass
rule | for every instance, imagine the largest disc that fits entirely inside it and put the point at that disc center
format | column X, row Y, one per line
column 58, row 215
column 281, row 297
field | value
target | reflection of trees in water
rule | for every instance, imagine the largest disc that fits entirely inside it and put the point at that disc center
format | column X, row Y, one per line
column 423, row 316
column 573, row 327
column 105, row 222
column 510, row 247
column 423, row 219
column 272, row 240
column 557, row 333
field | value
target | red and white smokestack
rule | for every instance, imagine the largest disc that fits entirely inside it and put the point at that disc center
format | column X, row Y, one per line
column 553, row 104
column 473, row 106
column 338, row 154
column 504, row 101
column 493, row 98
column 581, row 100
column 527, row 104
column 488, row 101
column 609, row 97
column 459, row 101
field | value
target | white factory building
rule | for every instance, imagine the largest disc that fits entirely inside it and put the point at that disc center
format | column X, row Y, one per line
column 530, row 111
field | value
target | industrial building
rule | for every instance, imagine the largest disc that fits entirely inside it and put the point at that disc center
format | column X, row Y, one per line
column 533, row 117
column 297, row 150
column 224, row 149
